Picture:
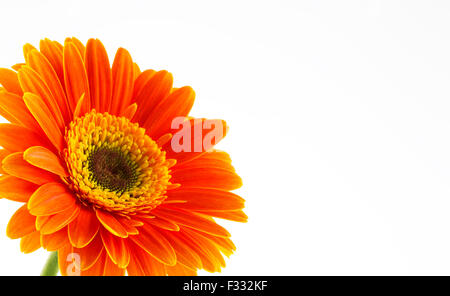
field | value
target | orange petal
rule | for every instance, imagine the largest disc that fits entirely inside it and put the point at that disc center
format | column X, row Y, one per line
column 141, row 81
column 143, row 264
column 155, row 90
column 225, row 245
column 206, row 245
column 177, row 104
column 17, row 138
column 42, row 66
column 163, row 223
column 75, row 77
column 51, row 198
column 3, row 154
column 191, row 220
column 237, row 216
column 15, row 165
column 123, row 81
column 83, row 229
column 18, row 66
column 45, row 159
column 90, row 253
column 111, row 223
column 9, row 80
column 30, row 243
column 215, row 178
column 55, row 241
column 111, row 269
column 21, row 223
column 78, row 44
column 7, row 115
column 53, row 223
column 116, row 247
column 16, row 108
column 214, row 159
column 16, row 189
column 163, row 140
column 129, row 112
column 206, row 199
column 98, row 267
column 99, row 75
column 31, row 82
column 103, row 266
column 209, row 263
column 44, row 117
column 81, row 107
column 27, row 48
column 180, row 270
column 52, row 50
column 155, row 244
column 129, row 225
column 185, row 254
column 136, row 70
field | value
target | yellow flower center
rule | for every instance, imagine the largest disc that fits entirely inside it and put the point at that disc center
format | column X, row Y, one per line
column 114, row 165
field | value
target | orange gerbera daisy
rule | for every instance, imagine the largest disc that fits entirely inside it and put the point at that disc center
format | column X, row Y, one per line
column 89, row 150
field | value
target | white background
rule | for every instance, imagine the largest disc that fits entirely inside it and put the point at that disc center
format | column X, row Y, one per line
column 339, row 115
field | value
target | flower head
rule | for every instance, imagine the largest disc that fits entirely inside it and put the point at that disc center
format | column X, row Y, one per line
column 94, row 155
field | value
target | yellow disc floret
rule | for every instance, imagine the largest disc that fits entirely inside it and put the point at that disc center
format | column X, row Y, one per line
column 114, row 165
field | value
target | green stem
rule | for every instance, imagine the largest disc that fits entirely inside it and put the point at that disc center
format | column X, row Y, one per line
column 51, row 266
